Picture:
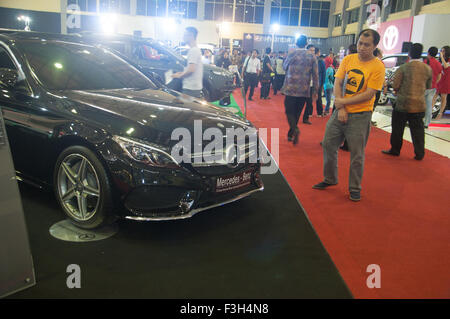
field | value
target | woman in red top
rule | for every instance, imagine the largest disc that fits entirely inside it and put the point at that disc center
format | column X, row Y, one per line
column 444, row 83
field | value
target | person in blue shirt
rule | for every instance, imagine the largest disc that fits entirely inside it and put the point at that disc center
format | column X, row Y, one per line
column 329, row 85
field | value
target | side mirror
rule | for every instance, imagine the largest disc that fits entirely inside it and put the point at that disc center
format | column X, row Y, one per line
column 8, row 78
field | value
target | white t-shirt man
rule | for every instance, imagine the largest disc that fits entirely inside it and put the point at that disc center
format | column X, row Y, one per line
column 253, row 65
column 194, row 81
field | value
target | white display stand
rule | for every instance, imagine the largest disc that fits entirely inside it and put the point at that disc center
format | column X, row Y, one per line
column 16, row 263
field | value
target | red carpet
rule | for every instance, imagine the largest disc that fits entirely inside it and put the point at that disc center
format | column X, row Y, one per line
column 401, row 224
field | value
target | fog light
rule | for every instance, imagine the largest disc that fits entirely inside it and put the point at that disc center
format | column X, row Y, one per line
column 187, row 201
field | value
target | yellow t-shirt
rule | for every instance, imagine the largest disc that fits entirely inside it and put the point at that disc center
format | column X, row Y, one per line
column 360, row 76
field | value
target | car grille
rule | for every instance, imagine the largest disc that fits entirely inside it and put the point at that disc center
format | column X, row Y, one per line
column 248, row 154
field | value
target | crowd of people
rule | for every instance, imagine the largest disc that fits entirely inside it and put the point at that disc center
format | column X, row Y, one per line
column 301, row 75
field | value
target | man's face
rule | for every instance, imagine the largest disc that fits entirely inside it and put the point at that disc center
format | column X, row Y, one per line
column 254, row 54
column 365, row 46
column 311, row 50
column 318, row 53
column 187, row 36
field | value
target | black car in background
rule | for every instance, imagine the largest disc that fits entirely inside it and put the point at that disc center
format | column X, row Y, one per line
column 88, row 124
column 152, row 56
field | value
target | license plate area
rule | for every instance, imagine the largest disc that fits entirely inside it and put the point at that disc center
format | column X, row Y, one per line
column 229, row 183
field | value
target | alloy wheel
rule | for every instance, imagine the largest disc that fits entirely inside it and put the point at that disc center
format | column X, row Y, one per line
column 78, row 187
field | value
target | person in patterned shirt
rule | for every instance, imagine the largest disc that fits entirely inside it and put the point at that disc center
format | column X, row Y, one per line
column 301, row 68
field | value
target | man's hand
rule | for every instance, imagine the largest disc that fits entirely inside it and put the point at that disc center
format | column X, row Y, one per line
column 177, row 75
column 338, row 103
column 342, row 115
column 315, row 97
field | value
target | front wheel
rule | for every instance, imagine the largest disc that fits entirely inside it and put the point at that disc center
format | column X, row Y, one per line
column 83, row 189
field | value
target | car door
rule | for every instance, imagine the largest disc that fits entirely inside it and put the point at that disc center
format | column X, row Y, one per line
column 15, row 114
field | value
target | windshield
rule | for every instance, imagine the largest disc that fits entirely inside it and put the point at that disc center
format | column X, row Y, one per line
column 171, row 51
column 71, row 66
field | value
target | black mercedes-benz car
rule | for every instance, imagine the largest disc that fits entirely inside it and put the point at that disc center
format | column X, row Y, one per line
column 88, row 124
column 152, row 56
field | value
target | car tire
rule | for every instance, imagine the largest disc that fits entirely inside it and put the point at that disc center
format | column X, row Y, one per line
column 83, row 188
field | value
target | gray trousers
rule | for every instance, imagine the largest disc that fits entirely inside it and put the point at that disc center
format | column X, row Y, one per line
column 356, row 132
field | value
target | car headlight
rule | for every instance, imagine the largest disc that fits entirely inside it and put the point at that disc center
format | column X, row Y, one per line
column 145, row 153
column 220, row 73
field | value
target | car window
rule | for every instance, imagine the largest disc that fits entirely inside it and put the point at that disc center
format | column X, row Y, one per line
column 150, row 53
column 73, row 66
column 5, row 60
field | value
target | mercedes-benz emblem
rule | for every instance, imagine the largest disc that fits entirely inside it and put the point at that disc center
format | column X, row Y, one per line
column 86, row 236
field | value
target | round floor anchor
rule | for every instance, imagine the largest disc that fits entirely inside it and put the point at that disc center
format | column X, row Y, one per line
column 65, row 230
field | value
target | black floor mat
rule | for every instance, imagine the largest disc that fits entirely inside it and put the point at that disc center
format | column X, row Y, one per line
column 260, row 247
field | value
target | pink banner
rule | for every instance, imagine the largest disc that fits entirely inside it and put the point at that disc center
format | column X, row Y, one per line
column 394, row 33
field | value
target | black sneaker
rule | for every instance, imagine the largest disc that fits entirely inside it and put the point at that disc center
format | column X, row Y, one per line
column 307, row 122
column 355, row 196
column 322, row 185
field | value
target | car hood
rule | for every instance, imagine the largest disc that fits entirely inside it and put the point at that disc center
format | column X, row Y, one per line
column 151, row 115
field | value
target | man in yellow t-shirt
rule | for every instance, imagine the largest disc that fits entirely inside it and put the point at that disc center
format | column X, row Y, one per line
column 361, row 75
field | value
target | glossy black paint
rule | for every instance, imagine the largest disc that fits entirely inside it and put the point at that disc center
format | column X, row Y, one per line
column 41, row 123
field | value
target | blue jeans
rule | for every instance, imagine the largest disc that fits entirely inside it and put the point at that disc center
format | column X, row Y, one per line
column 328, row 94
column 429, row 94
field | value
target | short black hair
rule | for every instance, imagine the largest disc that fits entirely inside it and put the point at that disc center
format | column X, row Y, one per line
column 301, row 41
column 193, row 30
column 317, row 50
column 309, row 46
column 369, row 32
column 268, row 50
column 415, row 52
column 433, row 51
column 254, row 50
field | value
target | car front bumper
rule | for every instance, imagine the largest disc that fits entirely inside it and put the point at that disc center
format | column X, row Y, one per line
column 157, row 194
